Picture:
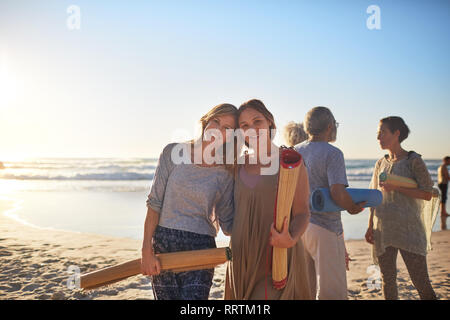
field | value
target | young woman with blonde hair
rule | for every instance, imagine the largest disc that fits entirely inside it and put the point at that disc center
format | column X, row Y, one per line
column 186, row 205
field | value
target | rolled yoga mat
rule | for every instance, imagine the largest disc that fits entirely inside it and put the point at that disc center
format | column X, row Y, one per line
column 402, row 182
column 287, row 181
column 321, row 200
column 174, row 261
column 397, row 180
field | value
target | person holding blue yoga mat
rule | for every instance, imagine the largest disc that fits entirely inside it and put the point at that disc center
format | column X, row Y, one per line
column 322, row 201
column 396, row 224
column 324, row 239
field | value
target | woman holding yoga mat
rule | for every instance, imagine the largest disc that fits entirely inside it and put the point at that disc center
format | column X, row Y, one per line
column 187, row 203
column 396, row 224
column 249, row 274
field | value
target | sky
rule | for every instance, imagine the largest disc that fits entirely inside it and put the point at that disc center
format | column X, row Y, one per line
column 138, row 75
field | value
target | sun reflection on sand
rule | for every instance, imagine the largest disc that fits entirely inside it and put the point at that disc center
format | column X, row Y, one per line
column 16, row 205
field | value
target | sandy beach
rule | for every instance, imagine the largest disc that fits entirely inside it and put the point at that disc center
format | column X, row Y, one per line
column 35, row 263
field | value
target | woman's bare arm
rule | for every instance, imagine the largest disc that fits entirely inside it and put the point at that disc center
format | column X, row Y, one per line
column 413, row 193
column 151, row 222
column 150, row 264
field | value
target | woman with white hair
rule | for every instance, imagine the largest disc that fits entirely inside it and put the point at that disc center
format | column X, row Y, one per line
column 294, row 133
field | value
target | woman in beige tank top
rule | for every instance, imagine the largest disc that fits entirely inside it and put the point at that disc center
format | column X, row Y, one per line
column 253, row 235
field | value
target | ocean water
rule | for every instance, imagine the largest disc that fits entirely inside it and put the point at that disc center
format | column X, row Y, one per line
column 107, row 195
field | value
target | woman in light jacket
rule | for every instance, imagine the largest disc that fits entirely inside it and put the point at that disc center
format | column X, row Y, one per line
column 396, row 224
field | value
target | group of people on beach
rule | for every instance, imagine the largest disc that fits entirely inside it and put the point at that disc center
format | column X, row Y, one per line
column 191, row 200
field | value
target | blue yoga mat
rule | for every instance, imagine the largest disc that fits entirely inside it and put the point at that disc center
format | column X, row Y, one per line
column 321, row 200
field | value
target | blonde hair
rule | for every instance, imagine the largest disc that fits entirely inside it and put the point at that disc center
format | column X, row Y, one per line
column 294, row 133
column 217, row 111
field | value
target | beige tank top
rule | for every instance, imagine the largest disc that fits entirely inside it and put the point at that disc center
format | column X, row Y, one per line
column 248, row 274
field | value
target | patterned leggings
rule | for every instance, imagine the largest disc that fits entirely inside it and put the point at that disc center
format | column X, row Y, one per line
column 417, row 269
column 189, row 285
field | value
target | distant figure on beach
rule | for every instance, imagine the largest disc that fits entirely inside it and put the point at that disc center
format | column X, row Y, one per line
column 396, row 224
column 324, row 238
column 186, row 205
column 294, row 133
column 1, row 165
column 443, row 178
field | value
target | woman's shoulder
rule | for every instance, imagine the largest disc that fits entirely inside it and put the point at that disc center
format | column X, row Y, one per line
column 170, row 146
column 167, row 150
column 177, row 152
column 416, row 160
column 380, row 164
column 414, row 157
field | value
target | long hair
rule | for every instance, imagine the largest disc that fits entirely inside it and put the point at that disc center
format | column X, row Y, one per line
column 261, row 108
column 217, row 111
